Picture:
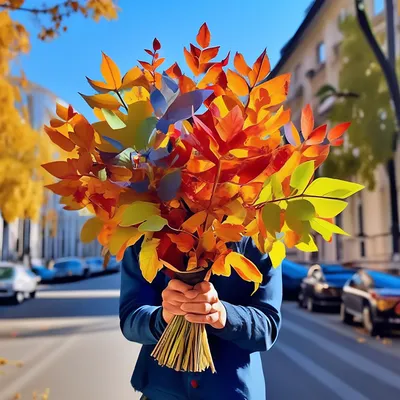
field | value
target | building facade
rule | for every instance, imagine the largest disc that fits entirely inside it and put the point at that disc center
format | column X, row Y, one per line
column 312, row 58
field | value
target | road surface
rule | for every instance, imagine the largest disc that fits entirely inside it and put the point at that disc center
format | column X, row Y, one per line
column 69, row 341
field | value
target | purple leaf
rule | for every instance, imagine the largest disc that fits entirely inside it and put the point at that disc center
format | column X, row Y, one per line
column 169, row 185
column 158, row 103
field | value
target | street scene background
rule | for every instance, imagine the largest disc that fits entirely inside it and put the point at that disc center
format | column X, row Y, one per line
column 65, row 343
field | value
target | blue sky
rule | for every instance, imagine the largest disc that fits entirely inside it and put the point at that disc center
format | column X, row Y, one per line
column 247, row 26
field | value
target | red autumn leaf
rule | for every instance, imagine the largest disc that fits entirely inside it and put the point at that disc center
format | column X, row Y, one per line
column 260, row 70
column 174, row 71
column 231, row 124
column 203, row 38
column 156, row 45
column 66, row 187
column 208, row 54
column 195, row 51
column 307, row 121
column 149, row 52
column 186, row 84
column 241, row 65
column 317, row 136
column 59, row 139
column 61, row 169
column 192, row 62
column 337, row 131
column 146, row 66
column 158, row 62
column 251, row 168
column 337, row 142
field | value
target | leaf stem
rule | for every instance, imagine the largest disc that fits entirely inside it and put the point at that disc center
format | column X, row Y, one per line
column 121, row 99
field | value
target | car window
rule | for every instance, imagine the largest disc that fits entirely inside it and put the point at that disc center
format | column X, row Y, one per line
column 6, row 273
column 356, row 282
column 67, row 264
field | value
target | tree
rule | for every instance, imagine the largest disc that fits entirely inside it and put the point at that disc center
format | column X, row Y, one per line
column 22, row 147
column 363, row 98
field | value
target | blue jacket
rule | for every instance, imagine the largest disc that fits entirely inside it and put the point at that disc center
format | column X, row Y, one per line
column 252, row 326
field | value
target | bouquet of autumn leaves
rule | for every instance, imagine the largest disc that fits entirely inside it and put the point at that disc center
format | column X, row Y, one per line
column 188, row 166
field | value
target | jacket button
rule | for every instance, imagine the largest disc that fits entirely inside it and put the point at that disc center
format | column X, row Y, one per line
column 194, row 384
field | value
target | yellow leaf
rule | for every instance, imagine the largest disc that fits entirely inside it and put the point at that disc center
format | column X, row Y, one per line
column 208, row 241
column 245, row 268
column 121, row 236
column 336, row 188
column 327, row 208
column 220, row 267
column 271, row 216
column 138, row 212
column 192, row 263
column 237, row 213
column 184, row 242
column 192, row 223
column 135, row 78
column 148, row 259
column 265, row 194
column 302, row 176
column 105, row 100
column 322, row 230
column 229, row 232
column 237, row 84
column 252, row 228
column 327, row 226
column 277, row 253
column 90, row 229
column 110, row 72
column 308, row 245
column 154, row 223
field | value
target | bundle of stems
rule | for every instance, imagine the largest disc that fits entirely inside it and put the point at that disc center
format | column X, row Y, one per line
column 184, row 347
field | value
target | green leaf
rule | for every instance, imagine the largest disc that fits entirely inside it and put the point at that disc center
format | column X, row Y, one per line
column 144, row 132
column 153, row 224
column 307, row 245
column 327, row 208
column 328, row 187
column 326, row 229
column 300, row 209
column 102, row 175
column 113, row 119
column 138, row 212
column 271, row 216
column 265, row 194
column 276, row 187
column 302, row 176
column 123, row 159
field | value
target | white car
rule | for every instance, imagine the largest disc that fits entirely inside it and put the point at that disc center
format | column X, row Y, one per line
column 17, row 282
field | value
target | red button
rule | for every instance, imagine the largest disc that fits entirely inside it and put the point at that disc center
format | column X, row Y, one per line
column 194, row 384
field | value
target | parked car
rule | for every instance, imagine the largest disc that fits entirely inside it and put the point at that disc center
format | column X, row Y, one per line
column 94, row 265
column 17, row 283
column 292, row 276
column 69, row 267
column 46, row 274
column 322, row 287
column 374, row 298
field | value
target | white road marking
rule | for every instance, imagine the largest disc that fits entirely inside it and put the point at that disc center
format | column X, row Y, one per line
column 336, row 385
column 10, row 390
column 78, row 294
column 350, row 357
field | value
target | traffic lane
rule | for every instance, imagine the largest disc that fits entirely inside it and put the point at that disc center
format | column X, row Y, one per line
column 322, row 362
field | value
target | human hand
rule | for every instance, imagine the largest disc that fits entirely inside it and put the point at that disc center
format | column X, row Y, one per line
column 202, row 306
column 173, row 297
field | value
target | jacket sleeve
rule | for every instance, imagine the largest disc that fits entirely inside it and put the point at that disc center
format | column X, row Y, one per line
column 255, row 327
column 140, row 313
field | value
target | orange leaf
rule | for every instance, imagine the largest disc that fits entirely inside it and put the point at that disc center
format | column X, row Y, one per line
column 241, row 65
column 208, row 54
column 119, row 174
column 101, row 87
column 337, row 131
column 134, row 77
column 317, row 136
column 229, row 232
column 237, row 83
column 110, row 72
column 192, row 62
column 146, row 66
column 192, row 223
column 102, row 101
column 192, row 263
column 210, row 77
column 208, row 241
column 261, row 69
column 66, row 187
column 60, row 169
column 186, row 84
column 59, row 139
column 84, row 163
column 312, row 151
column 245, row 268
column 220, row 267
column 307, row 121
column 184, row 242
column 203, row 38
column 83, row 134
column 231, row 124
column 158, row 62
column 174, row 71
column 62, row 112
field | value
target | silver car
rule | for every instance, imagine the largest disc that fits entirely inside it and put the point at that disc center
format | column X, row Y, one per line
column 17, row 282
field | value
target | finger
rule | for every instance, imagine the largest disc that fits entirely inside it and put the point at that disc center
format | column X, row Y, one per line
column 203, row 319
column 204, row 287
column 178, row 286
column 175, row 310
column 209, row 297
column 198, row 308
column 173, row 296
column 191, row 294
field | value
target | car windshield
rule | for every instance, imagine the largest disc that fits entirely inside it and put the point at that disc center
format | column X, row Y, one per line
column 385, row 281
column 6, row 273
column 67, row 264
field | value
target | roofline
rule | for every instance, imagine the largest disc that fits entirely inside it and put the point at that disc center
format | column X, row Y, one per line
column 291, row 45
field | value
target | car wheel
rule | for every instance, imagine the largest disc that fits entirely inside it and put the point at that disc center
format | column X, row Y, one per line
column 311, row 305
column 86, row 273
column 368, row 322
column 32, row 294
column 19, row 297
column 345, row 316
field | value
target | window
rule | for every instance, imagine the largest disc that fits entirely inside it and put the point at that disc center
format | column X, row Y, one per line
column 379, row 6
column 321, row 56
column 356, row 282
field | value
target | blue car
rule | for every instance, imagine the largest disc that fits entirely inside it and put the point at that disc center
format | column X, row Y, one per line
column 292, row 276
column 94, row 265
column 69, row 267
column 46, row 275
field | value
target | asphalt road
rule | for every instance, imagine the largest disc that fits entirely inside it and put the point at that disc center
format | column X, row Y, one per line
column 69, row 341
